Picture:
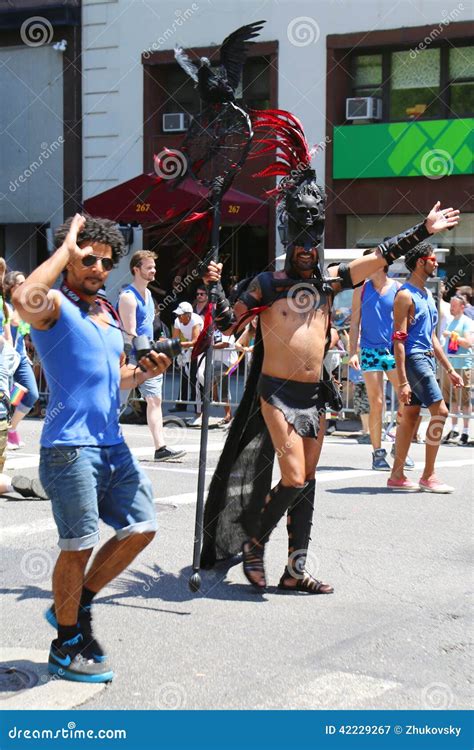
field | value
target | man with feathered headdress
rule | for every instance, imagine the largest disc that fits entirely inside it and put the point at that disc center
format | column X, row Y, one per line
column 287, row 392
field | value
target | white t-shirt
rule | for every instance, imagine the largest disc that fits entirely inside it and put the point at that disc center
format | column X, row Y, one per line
column 186, row 330
column 186, row 334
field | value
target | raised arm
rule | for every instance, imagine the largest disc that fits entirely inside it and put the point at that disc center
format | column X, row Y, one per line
column 35, row 300
column 438, row 220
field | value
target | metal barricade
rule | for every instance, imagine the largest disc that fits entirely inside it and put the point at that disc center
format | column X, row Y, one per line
column 180, row 386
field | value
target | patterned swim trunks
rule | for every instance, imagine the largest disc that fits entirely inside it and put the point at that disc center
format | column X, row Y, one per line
column 375, row 360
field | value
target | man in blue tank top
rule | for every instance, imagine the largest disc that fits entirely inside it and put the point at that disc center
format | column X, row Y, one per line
column 372, row 318
column 137, row 312
column 416, row 348
column 85, row 466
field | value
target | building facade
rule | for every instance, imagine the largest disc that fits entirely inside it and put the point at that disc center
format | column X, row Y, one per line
column 413, row 59
column 40, row 125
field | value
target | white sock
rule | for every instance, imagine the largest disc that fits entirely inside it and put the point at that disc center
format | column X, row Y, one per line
column 465, row 430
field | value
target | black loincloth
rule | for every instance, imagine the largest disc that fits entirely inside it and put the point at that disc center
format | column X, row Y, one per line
column 302, row 404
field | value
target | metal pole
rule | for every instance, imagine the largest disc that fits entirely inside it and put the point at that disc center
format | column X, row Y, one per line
column 195, row 580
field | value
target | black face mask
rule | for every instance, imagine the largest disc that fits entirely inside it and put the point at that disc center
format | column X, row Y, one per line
column 302, row 220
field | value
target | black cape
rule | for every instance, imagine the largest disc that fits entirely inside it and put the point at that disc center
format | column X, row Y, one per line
column 243, row 474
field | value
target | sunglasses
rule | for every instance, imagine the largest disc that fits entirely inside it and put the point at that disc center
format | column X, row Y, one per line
column 201, row 294
column 429, row 257
column 91, row 260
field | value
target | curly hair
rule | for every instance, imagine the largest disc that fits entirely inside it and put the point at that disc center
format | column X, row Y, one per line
column 420, row 251
column 103, row 231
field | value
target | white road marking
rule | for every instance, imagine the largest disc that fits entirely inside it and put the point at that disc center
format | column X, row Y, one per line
column 188, row 498
column 32, row 461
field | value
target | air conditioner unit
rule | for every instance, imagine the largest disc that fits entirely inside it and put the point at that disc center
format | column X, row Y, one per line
column 175, row 122
column 364, row 108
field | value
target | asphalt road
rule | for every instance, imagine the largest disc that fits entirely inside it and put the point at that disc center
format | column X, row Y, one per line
column 394, row 635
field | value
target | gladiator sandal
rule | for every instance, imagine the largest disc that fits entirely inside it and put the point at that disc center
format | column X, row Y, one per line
column 254, row 570
column 307, row 583
column 299, row 522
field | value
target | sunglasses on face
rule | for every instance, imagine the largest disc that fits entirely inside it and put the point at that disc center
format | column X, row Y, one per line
column 91, row 260
column 429, row 257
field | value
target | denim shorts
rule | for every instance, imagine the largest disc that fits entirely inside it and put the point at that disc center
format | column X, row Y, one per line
column 152, row 387
column 421, row 374
column 376, row 360
column 86, row 483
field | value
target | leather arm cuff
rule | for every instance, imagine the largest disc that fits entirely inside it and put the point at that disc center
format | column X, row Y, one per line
column 400, row 244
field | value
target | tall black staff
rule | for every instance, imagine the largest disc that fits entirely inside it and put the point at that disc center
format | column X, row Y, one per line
column 195, row 580
column 216, row 146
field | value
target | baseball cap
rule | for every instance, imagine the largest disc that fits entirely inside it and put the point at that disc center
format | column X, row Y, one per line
column 184, row 308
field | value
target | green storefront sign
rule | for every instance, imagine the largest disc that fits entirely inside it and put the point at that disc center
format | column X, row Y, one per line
column 431, row 148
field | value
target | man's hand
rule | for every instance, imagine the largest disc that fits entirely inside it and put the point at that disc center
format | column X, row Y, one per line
column 440, row 219
column 154, row 364
column 354, row 362
column 213, row 273
column 70, row 241
column 455, row 379
column 404, row 393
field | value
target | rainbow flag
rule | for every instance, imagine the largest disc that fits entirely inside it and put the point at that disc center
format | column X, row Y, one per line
column 17, row 393
column 234, row 367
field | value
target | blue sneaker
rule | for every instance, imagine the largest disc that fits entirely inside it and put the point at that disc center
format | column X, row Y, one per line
column 68, row 661
column 409, row 462
column 92, row 648
column 379, row 462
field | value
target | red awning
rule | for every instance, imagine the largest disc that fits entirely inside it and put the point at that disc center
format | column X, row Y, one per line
column 141, row 199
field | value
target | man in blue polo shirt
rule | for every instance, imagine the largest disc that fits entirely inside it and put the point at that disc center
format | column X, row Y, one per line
column 86, row 468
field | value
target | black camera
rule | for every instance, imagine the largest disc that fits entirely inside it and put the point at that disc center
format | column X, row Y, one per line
column 143, row 346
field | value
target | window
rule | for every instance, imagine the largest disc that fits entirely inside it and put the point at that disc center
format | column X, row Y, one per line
column 415, row 89
column 368, row 75
column 256, row 83
column 461, row 78
column 430, row 83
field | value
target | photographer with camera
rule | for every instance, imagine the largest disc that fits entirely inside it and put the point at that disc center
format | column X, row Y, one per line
column 86, row 468
column 137, row 312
